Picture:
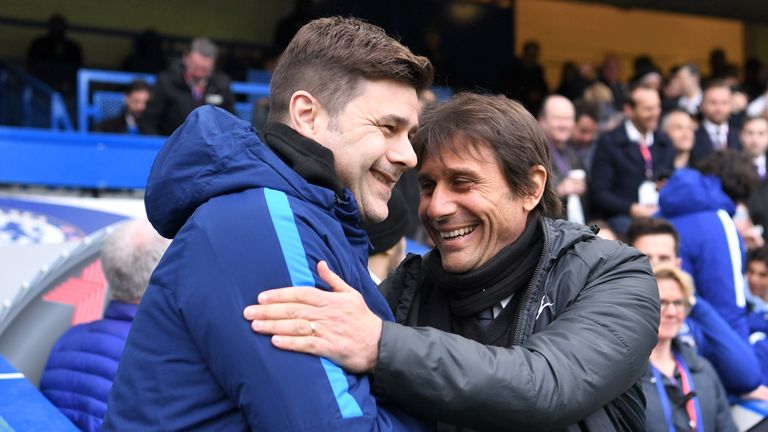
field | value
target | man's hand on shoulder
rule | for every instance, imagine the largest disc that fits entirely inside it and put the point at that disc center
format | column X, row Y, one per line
column 336, row 325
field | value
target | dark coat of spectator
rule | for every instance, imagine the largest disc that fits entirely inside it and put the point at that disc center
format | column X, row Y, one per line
column 703, row 145
column 618, row 170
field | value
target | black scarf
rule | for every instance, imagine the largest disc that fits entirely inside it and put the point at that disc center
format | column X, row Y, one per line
column 451, row 301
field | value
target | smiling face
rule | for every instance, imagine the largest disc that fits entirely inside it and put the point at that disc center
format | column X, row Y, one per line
column 370, row 141
column 468, row 208
column 673, row 310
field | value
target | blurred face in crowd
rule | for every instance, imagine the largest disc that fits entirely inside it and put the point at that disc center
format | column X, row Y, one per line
column 757, row 278
column 688, row 82
column 585, row 131
column 199, row 67
column 468, row 208
column 660, row 249
column 136, row 102
column 557, row 119
column 674, row 308
column 645, row 114
column 370, row 141
column 680, row 128
column 716, row 104
column 754, row 136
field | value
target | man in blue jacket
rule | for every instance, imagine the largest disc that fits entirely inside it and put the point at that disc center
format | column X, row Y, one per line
column 249, row 213
column 82, row 364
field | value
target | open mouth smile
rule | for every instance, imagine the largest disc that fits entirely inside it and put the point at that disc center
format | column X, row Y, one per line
column 461, row 232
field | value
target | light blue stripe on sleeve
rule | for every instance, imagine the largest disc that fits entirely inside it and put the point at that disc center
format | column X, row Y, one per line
column 298, row 269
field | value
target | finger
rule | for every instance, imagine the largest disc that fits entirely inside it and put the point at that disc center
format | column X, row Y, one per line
column 307, row 295
column 277, row 311
column 332, row 279
column 306, row 344
column 295, row 327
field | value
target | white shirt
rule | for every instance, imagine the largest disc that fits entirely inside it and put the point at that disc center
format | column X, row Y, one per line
column 757, row 106
column 717, row 133
column 635, row 135
column 691, row 104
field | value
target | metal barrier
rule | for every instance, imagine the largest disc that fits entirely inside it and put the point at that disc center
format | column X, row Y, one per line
column 40, row 104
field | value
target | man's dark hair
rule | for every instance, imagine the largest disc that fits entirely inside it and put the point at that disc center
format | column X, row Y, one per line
column 330, row 58
column 735, row 170
column 137, row 85
column 590, row 110
column 691, row 68
column 644, row 226
column 717, row 83
column 758, row 255
column 629, row 97
column 511, row 132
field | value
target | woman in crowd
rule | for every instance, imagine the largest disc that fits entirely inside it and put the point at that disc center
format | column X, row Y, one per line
column 682, row 390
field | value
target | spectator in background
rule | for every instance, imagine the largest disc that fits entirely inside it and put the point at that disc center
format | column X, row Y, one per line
column 529, row 78
column 733, row 358
column 700, row 204
column 147, row 54
column 680, row 128
column 757, row 276
column 557, row 119
column 186, row 85
column 688, row 78
column 754, row 138
column 387, row 239
column 83, row 363
column 628, row 160
column 715, row 133
column 585, row 133
column 610, row 75
column 135, row 102
column 600, row 96
column 682, row 390
column 55, row 58
column 718, row 65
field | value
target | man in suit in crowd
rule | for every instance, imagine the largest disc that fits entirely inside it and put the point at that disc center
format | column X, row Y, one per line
column 628, row 160
column 715, row 132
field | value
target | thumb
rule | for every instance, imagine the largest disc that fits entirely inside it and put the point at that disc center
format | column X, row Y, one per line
column 336, row 283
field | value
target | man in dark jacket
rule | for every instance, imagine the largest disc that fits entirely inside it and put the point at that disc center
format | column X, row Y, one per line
column 186, row 85
column 82, row 364
column 249, row 213
column 135, row 102
column 515, row 321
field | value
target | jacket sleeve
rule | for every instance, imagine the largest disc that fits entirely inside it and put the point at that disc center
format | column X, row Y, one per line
column 589, row 355
column 714, row 262
column 731, row 356
column 602, row 179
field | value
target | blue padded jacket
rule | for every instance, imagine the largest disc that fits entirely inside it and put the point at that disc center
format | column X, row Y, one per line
column 82, row 365
column 243, row 222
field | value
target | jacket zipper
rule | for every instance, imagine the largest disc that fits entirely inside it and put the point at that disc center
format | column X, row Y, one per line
column 516, row 340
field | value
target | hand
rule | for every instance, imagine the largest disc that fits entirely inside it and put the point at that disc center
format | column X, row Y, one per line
column 336, row 325
column 570, row 185
column 760, row 393
column 642, row 210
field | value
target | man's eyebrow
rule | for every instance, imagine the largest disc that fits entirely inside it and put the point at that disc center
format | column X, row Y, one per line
column 399, row 121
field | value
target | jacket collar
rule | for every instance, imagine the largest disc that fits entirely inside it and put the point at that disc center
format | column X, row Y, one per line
column 118, row 310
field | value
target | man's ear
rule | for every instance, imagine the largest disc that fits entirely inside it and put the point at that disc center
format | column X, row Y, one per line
column 304, row 110
column 538, row 175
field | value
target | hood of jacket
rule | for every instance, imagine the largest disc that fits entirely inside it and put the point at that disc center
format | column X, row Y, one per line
column 689, row 191
column 215, row 153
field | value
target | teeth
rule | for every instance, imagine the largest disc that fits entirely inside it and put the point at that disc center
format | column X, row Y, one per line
column 458, row 232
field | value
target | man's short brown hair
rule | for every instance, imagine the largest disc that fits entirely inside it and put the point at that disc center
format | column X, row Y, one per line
column 511, row 132
column 330, row 58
